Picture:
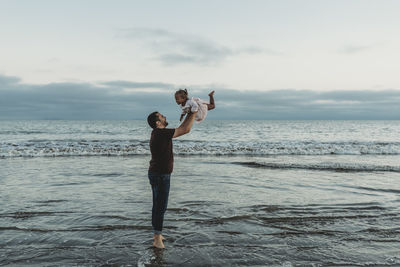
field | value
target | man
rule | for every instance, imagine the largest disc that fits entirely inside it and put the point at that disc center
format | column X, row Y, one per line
column 161, row 166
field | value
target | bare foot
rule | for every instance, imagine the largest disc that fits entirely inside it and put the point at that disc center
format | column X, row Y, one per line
column 211, row 94
column 158, row 243
column 162, row 237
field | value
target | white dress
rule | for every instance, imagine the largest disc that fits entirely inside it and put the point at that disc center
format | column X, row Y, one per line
column 196, row 104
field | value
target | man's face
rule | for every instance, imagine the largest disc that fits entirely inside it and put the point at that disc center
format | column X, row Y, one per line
column 162, row 119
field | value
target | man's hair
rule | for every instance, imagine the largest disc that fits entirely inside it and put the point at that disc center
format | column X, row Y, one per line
column 152, row 119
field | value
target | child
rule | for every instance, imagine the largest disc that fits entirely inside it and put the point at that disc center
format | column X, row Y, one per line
column 194, row 104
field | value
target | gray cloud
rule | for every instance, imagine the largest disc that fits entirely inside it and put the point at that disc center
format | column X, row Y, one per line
column 128, row 84
column 353, row 49
column 110, row 101
column 8, row 80
column 172, row 48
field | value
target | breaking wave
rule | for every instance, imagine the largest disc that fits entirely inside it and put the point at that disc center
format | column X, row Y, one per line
column 338, row 167
column 54, row 148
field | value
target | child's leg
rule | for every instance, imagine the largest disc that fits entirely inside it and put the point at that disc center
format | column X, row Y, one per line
column 212, row 104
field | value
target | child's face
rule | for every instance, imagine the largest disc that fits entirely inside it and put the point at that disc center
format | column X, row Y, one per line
column 179, row 99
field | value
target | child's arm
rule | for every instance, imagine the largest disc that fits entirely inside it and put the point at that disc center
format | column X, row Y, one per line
column 182, row 115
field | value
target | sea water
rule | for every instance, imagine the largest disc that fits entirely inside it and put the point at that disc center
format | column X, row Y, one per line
column 243, row 193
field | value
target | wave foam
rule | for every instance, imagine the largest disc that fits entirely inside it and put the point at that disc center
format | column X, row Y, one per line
column 338, row 167
column 54, row 148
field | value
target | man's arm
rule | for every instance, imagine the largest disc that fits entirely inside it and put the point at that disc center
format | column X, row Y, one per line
column 186, row 125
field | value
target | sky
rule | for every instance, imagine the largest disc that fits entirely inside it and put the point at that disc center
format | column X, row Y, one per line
column 283, row 59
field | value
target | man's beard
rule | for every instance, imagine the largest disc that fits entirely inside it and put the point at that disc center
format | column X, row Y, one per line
column 166, row 123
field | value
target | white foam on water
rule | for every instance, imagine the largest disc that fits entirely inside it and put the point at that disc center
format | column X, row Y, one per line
column 331, row 166
column 54, row 148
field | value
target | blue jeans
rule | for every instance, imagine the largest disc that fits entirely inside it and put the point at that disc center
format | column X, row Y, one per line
column 160, row 187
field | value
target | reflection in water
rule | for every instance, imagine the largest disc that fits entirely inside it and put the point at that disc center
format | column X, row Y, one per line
column 158, row 257
column 152, row 257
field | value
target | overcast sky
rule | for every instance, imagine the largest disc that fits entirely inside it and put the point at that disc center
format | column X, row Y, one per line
column 281, row 59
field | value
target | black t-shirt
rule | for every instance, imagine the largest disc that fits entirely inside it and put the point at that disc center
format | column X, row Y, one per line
column 162, row 157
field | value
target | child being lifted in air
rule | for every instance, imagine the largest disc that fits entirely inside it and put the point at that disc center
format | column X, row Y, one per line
column 194, row 104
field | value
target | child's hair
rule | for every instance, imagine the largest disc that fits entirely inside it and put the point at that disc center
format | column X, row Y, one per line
column 182, row 92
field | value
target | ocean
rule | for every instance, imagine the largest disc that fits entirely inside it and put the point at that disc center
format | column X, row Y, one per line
column 243, row 193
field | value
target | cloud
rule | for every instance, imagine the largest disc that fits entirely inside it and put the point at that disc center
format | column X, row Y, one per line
column 128, row 84
column 173, row 48
column 353, row 49
column 109, row 100
column 6, row 80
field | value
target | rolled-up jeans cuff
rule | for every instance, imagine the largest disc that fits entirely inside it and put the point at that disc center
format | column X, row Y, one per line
column 156, row 232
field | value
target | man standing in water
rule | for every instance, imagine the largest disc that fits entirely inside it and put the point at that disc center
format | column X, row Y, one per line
column 161, row 166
